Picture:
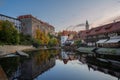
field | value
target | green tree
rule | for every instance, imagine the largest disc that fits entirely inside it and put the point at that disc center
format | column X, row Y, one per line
column 8, row 33
column 25, row 39
column 53, row 42
column 77, row 43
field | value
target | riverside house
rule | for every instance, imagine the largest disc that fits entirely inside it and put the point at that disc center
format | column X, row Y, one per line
column 103, row 36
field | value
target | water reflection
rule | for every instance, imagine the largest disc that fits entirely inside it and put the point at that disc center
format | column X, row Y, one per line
column 104, row 66
column 59, row 65
column 67, row 56
column 95, row 63
column 38, row 64
column 2, row 74
column 10, row 66
column 23, row 68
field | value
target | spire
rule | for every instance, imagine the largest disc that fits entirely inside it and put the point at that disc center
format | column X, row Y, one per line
column 87, row 25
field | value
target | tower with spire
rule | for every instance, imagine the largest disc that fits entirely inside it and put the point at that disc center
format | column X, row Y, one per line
column 87, row 25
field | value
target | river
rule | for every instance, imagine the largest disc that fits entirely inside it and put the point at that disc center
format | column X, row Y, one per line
column 59, row 65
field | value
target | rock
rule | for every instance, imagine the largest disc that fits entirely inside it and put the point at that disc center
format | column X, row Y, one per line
column 22, row 53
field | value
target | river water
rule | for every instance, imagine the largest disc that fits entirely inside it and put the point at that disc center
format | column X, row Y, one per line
column 59, row 65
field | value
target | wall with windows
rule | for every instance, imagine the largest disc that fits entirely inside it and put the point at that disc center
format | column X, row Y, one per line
column 30, row 24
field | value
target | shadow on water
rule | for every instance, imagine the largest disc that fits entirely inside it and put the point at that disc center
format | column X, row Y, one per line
column 23, row 68
column 29, row 68
column 106, row 66
column 2, row 74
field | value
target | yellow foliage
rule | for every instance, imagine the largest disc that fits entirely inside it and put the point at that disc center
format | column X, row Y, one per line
column 41, row 57
column 42, row 37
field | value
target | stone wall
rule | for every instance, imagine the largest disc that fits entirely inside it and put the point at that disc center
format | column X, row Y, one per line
column 7, row 49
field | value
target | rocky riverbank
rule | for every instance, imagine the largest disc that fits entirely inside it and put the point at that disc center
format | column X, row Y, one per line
column 7, row 49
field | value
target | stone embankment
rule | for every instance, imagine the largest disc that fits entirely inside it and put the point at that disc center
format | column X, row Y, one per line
column 7, row 49
column 108, row 51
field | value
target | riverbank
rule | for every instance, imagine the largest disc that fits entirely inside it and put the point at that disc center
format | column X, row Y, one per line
column 8, row 49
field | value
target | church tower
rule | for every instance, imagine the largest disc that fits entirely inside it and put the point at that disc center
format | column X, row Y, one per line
column 87, row 25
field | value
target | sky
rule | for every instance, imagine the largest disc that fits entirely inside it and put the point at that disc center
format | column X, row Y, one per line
column 64, row 13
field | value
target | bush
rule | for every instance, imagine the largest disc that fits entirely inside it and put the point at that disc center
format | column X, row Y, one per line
column 25, row 39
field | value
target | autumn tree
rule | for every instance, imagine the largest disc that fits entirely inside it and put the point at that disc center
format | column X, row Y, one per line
column 41, row 37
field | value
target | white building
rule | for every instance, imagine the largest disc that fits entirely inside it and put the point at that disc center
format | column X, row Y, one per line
column 15, row 21
column 63, row 39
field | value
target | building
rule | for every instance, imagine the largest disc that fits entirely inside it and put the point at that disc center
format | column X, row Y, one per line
column 67, row 37
column 82, row 36
column 64, row 38
column 103, row 36
column 15, row 21
column 30, row 24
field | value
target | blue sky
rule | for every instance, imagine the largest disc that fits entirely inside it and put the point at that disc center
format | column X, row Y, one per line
column 63, row 13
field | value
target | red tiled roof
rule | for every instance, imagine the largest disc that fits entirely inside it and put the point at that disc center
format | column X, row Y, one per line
column 66, row 33
column 25, row 16
column 115, row 27
column 112, row 27
column 108, row 28
column 30, row 16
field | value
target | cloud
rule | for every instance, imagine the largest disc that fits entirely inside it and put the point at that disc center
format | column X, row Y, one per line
column 109, row 18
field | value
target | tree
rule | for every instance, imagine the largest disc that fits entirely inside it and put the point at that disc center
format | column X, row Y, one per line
column 77, row 43
column 25, row 39
column 45, row 39
column 42, row 37
column 53, row 42
column 39, row 37
column 8, row 33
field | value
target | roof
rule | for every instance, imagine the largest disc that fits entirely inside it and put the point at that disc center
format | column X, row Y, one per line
column 108, row 28
column 8, row 17
column 25, row 16
column 30, row 16
column 104, row 29
column 66, row 33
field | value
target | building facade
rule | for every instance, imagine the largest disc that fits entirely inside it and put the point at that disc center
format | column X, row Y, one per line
column 106, row 35
column 16, row 22
column 67, row 37
column 30, row 24
column 64, row 37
